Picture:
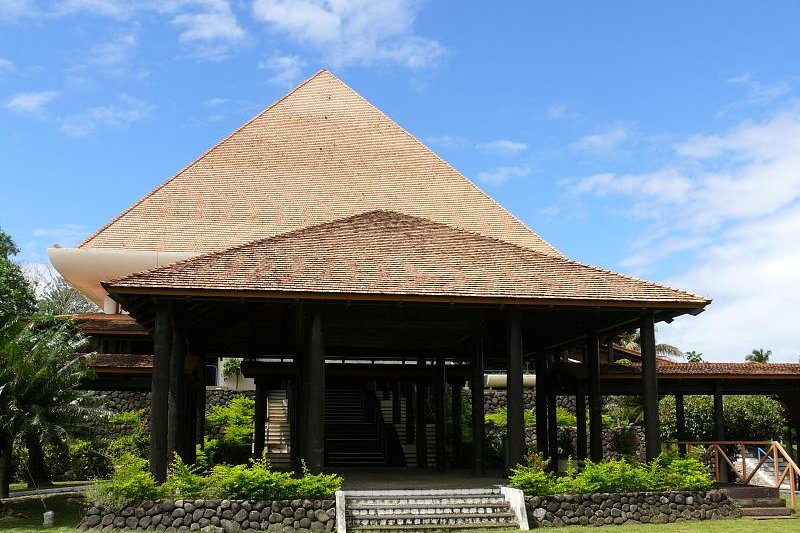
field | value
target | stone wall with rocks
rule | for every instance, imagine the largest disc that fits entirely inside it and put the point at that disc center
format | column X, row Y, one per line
column 628, row 508
column 494, row 399
column 214, row 516
column 121, row 401
column 617, row 441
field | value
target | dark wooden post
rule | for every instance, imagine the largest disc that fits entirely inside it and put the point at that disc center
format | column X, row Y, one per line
column 420, row 413
column 177, row 398
column 719, row 428
column 259, row 419
column 198, row 349
column 680, row 422
column 515, row 402
column 552, row 428
column 580, row 420
column 455, row 408
column 292, row 415
column 595, row 400
column 441, row 415
column 478, row 422
column 647, row 334
column 409, row 413
column 189, row 420
column 159, row 392
column 314, row 422
column 541, row 403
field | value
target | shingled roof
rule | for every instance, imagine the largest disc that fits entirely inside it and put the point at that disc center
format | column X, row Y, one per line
column 320, row 153
column 383, row 253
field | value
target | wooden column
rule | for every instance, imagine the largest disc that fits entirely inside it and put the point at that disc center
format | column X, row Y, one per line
column 552, row 428
column 177, row 398
column 455, row 414
column 291, row 411
column 719, row 428
column 580, row 420
column 541, row 403
column 159, row 391
column 595, row 400
column 420, row 413
column 441, row 414
column 198, row 348
column 314, row 422
column 680, row 422
column 189, row 420
column 647, row 334
column 409, row 388
column 478, row 422
column 515, row 402
column 259, row 419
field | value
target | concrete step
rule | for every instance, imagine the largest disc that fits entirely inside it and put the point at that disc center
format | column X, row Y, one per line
column 765, row 511
column 426, row 509
column 431, row 519
column 759, row 502
column 488, row 526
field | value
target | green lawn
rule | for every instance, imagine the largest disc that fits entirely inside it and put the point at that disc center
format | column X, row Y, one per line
column 24, row 486
column 23, row 517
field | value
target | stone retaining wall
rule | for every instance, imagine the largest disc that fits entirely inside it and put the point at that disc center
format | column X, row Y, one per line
column 568, row 439
column 494, row 399
column 214, row 516
column 628, row 508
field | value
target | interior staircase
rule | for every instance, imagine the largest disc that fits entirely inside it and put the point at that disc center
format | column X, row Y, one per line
column 351, row 438
column 277, row 430
column 387, row 511
column 760, row 503
column 409, row 450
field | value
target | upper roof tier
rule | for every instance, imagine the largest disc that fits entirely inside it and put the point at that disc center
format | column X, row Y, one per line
column 320, row 153
column 387, row 255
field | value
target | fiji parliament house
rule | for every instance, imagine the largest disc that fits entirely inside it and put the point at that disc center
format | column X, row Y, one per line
column 348, row 265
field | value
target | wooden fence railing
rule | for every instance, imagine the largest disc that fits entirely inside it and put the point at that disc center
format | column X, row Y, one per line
column 774, row 450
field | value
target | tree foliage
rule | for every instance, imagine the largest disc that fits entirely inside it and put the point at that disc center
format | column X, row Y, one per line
column 759, row 355
column 746, row 418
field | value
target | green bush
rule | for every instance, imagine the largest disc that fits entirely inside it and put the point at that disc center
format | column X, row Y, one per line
column 133, row 436
column 253, row 482
column 564, row 419
column 185, row 481
column 131, row 482
column 236, row 421
column 318, row 486
column 667, row 472
column 86, row 462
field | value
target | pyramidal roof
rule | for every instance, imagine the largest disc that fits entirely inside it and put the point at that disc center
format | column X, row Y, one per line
column 320, row 153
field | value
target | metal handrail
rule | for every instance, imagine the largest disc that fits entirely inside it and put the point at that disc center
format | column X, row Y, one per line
column 774, row 451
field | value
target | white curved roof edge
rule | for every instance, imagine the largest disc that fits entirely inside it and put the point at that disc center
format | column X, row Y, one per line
column 85, row 268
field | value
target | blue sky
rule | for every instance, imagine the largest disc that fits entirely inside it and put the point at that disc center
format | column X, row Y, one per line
column 660, row 140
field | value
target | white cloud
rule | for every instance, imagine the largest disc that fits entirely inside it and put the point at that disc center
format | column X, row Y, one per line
column 102, row 8
column 500, row 175
column 208, row 26
column 730, row 205
column 760, row 93
column 503, row 147
column 31, row 103
column 215, row 102
column 287, row 69
column 114, row 52
column 5, row 64
column 604, row 143
column 120, row 115
column 350, row 32
column 14, row 10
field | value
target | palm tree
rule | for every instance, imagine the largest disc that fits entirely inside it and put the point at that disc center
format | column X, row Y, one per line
column 40, row 399
column 758, row 356
column 632, row 342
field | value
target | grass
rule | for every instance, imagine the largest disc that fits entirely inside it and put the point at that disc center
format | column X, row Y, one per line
column 56, row 484
column 26, row 516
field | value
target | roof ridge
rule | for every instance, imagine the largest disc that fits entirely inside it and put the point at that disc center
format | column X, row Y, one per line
column 398, row 214
column 200, row 158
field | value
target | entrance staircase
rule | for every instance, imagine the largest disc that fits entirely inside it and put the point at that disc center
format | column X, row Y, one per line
column 351, row 437
column 760, row 503
column 277, row 430
column 403, row 511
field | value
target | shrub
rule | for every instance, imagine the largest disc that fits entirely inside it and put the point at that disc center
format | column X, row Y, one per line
column 133, row 438
column 625, row 441
column 669, row 471
column 533, row 478
column 253, row 482
column 185, row 481
column 236, row 421
column 318, row 486
column 131, row 482
column 615, row 475
column 86, row 462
